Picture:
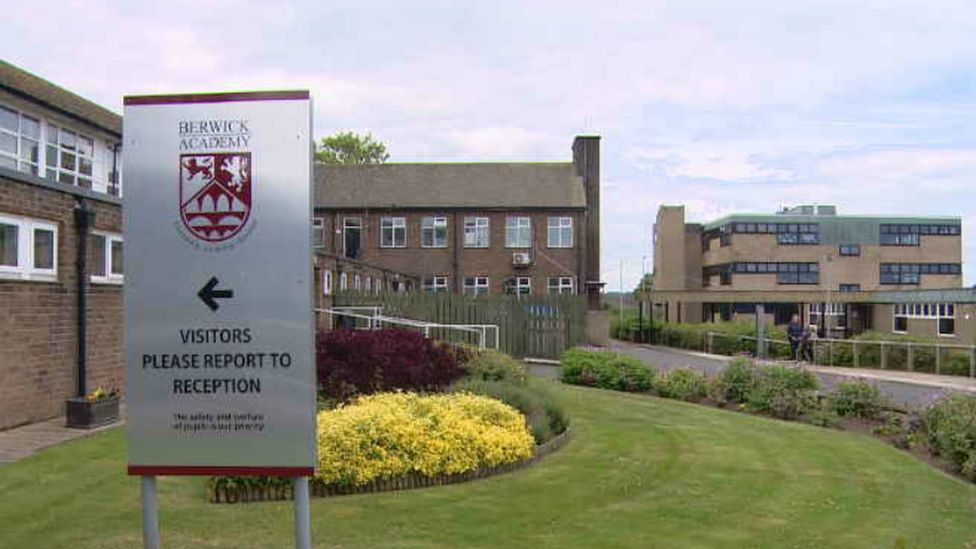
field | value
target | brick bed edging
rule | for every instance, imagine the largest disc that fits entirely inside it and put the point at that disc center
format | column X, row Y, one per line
column 406, row 482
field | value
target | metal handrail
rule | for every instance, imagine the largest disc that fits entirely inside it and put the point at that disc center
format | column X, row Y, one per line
column 910, row 347
column 376, row 319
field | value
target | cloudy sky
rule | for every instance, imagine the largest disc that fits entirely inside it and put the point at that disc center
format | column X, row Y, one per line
column 722, row 106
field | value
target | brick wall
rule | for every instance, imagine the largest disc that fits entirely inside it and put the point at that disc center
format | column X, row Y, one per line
column 456, row 261
column 38, row 320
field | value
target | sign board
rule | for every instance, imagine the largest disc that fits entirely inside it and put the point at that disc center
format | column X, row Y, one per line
column 218, row 284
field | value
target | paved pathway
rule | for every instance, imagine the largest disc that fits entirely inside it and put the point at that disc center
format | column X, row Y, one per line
column 904, row 389
column 20, row 442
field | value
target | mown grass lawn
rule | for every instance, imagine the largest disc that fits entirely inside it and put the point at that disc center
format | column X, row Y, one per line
column 639, row 472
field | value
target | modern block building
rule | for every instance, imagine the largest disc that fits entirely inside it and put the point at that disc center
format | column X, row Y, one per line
column 815, row 251
column 472, row 228
column 60, row 247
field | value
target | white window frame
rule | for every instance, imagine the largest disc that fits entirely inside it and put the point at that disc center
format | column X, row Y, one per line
column 318, row 231
column 520, row 285
column 562, row 283
column 518, row 232
column 476, row 285
column 55, row 172
column 327, row 282
column 435, row 284
column 109, row 277
column 477, row 232
column 367, row 285
column 433, row 225
column 899, row 310
column 25, row 269
column 343, row 281
column 20, row 162
column 560, row 227
column 357, row 282
column 398, row 225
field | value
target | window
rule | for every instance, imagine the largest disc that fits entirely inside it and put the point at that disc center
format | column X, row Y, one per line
column 343, row 281
column 560, row 231
column 318, row 232
column 352, row 228
column 20, row 137
column 943, row 313
column 561, row 285
column 518, row 232
column 849, row 288
column 393, row 232
column 357, row 282
column 69, row 157
column 819, row 312
column 904, row 234
column 435, row 284
column 476, row 285
column 850, row 250
column 433, row 232
column 911, row 273
column 946, row 319
column 519, row 285
column 368, row 285
column 327, row 282
column 725, row 236
column 105, row 258
column 476, row 232
column 28, row 248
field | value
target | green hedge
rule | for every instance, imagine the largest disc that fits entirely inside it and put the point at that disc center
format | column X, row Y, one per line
column 729, row 338
column 605, row 370
column 951, row 426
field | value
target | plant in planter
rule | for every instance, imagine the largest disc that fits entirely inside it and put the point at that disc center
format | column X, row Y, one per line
column 95, row 409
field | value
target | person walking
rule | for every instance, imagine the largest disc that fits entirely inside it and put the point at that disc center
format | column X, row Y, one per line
column 794, row 331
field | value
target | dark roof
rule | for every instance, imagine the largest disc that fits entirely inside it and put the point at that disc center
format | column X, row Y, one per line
column 449, row 185
column 34, row 88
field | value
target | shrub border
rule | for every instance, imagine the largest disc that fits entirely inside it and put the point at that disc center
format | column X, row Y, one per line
column 409, row 481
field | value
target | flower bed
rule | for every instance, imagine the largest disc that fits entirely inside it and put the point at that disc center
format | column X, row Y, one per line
column 403, row 440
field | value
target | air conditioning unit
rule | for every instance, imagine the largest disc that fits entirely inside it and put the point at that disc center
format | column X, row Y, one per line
column 521, row 259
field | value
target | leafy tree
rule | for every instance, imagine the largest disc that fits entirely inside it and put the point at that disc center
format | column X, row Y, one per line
column 647, row 284
column 351, row 148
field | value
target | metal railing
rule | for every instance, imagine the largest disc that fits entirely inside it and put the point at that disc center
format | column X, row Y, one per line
column 912, row 356
column 375, row 319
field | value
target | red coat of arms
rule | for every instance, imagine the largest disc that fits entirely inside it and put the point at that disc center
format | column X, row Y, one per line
column 215, row 194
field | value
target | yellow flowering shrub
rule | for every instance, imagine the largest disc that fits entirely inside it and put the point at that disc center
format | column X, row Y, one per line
column 391, row 434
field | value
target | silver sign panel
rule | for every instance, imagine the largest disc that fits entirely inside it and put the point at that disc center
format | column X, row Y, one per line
column 218, row 284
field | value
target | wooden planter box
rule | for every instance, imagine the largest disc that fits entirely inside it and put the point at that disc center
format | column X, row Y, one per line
column 84, row 414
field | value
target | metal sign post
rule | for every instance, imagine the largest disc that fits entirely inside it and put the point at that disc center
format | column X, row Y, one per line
column 218, row 291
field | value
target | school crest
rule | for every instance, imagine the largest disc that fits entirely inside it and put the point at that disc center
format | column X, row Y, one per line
column 215, row 194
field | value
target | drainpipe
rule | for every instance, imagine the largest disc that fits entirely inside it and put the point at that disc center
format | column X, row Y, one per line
column 84, row 219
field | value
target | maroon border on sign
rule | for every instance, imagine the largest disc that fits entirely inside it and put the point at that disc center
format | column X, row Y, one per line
column 183, row 98
column 210, row 470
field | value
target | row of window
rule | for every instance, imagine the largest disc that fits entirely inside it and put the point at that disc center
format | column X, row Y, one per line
column 472, row 285
column 891, row 234
column 776, row 228
column 943, row 313
column 29, row 251
column 38, row 147
column 923, row 228
column 359, row 283
column 516, row 285
column 434, row 233
column 911, row 273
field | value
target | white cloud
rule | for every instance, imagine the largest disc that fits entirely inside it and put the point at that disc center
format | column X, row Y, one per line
column 720, row 106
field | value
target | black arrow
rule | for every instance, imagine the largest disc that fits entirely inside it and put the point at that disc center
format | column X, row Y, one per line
column 208, row 294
